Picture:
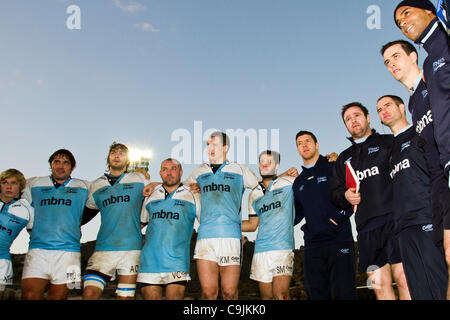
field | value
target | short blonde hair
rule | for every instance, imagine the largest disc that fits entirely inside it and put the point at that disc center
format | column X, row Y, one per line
column 14, row 173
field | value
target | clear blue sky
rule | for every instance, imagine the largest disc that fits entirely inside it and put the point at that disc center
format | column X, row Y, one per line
column 139, row 70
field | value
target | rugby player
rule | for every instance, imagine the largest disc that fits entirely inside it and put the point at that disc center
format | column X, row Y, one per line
column 15, row 214
column 218, row 246
column 379, row 255
column 169, row 214
column 118, row 196
column 423, row 261
column 54, row 249
column 271, row 207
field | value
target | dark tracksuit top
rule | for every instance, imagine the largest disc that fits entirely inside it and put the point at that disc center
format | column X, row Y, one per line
column 370, row 160
column 422, row 118
column 436, row 68
column 312, row 202
column 411, row 181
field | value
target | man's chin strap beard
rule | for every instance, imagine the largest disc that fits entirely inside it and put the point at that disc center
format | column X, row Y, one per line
column 269, row 176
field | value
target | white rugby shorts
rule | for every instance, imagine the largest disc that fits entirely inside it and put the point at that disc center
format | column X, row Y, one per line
column 270, row 264
column 163, row 277
column 59, row 267
column 224, row 251
column 6, row 273
column 107, row 262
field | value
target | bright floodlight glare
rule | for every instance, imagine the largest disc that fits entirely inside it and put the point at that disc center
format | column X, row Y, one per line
column 137, row 154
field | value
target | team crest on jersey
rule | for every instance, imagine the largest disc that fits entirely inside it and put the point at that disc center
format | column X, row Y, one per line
column 438, row 64
column 321, row 179
column 424, row 93
column 71, row 190
column 179, row 203
column 14, row 220
column 277, row 192
column 405, row 145
column 128, row 186
column 229, row 176
column 373, row 150
column 301, row 188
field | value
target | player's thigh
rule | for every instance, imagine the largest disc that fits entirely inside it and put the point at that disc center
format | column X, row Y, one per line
column 229, row 277
column 208, row 273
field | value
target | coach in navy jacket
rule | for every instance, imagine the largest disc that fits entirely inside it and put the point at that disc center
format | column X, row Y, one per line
column 329, row 261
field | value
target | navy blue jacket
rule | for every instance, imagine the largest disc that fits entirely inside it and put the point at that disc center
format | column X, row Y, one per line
column 312, row 202
column 437, row 77
column 370, row 160
column 411, row 181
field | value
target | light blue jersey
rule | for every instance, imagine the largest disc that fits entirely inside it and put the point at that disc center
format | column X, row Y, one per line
column 14, row 216
column 170, row 219
column 275, row 210
column 120, row 208
column 221, row 196
column 57, row 213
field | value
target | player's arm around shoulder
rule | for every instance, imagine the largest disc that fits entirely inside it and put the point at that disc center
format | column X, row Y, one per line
column 249, row 177
column 252, row 223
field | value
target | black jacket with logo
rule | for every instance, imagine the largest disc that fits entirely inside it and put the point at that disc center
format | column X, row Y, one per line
column 370, row 160
column 411, row 181
column 436, row 68
column 312, row 202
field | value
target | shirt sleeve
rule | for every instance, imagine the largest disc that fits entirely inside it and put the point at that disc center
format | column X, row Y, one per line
column 250, row 179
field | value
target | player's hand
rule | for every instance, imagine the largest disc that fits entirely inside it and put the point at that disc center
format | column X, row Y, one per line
column 332, row 157
column 195, row 188
column 292, row 172
column 354, row 198
column 148, row 189
column 145, row 173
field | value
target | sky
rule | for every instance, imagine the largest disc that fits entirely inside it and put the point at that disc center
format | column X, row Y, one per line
column 158, row 74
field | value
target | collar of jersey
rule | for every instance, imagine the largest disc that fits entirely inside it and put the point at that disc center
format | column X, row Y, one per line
column 5, row 206
column 170, row 195
column 221, row 167
column 62, row 185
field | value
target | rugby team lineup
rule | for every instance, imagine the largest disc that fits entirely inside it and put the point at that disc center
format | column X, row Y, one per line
column 399, row 200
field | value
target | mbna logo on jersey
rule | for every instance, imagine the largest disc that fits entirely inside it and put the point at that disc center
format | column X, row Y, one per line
column 113, row 200
column 216, row 187
column 272, row 206
column 166, row 215
column 56, row 202
column 367, row 173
